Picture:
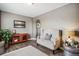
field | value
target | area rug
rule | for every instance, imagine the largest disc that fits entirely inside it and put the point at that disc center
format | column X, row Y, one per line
column 26, row 51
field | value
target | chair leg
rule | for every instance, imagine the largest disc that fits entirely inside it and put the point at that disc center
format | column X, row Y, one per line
column 37, row 44
column 53, row 52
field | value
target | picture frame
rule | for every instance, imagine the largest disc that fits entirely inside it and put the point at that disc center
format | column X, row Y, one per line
column 19, row 24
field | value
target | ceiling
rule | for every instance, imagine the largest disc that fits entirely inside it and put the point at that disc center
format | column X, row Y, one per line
column 33, row 10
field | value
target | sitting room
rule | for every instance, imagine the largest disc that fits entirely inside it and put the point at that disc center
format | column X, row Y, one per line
column 39, row 29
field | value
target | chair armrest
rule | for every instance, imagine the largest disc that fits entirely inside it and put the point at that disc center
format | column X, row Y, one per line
column 57, row 43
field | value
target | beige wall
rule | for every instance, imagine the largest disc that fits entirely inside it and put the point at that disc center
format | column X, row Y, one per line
column 0, row 19
column 7, row 22
column 77, row 21
column 64, row 18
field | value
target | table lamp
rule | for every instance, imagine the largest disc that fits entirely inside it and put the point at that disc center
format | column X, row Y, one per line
column 70, row 34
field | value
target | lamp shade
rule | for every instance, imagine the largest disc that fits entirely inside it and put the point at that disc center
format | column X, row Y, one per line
column 70, row 33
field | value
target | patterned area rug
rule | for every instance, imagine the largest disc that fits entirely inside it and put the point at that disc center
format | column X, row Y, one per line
column 58, row 52
column 26, row 51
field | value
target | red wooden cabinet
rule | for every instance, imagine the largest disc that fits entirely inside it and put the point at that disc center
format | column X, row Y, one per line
column 17, row 38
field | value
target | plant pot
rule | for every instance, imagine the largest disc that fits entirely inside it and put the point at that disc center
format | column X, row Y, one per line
column 6, row 45
column 69, row 51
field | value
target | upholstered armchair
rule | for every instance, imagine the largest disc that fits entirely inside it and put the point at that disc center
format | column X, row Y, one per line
column 53, row 43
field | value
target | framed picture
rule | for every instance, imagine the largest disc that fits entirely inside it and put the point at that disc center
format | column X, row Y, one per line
column 19, row 24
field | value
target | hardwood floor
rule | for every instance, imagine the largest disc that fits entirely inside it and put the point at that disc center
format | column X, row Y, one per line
column 33, row 43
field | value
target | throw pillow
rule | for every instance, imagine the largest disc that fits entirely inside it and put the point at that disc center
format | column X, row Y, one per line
column 48, row 36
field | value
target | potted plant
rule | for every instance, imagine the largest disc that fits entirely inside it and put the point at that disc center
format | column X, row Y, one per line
column 72, row 43
column 71, row 48
column 6, row 36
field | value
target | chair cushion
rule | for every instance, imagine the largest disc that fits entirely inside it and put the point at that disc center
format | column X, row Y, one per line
column 47, row 36
column 46, row 43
